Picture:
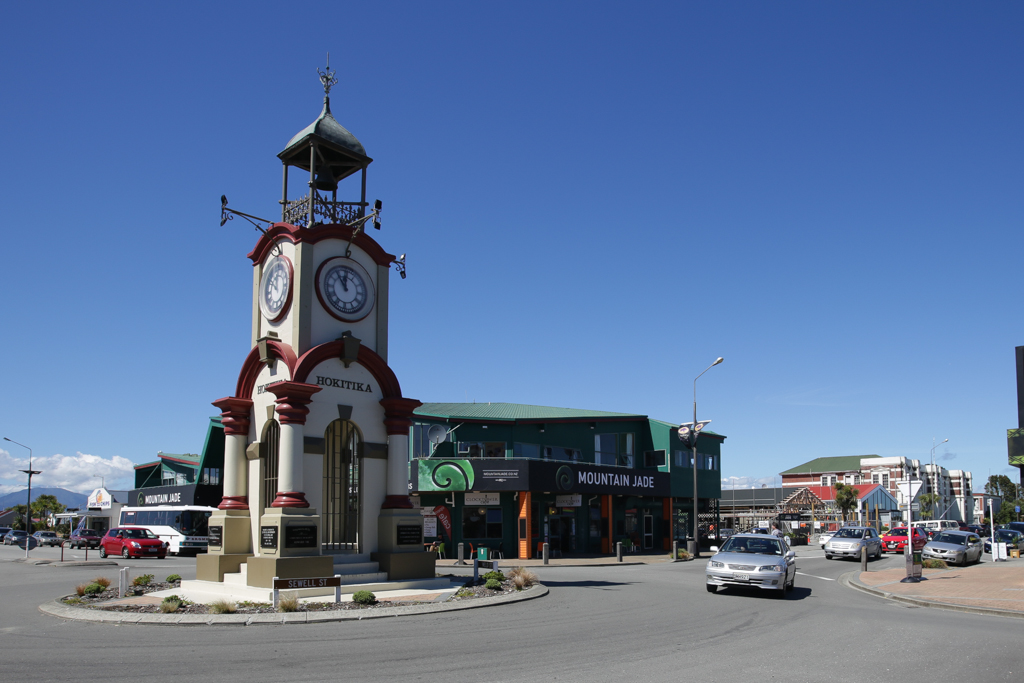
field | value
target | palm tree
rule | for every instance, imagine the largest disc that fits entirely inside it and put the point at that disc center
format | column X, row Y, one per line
column 929, row 500
column 846, row 498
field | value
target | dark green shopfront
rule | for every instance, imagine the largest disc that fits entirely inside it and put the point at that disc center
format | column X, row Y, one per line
column 510, row 477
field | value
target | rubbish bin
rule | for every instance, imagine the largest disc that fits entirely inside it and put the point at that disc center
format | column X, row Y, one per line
column 481, row 554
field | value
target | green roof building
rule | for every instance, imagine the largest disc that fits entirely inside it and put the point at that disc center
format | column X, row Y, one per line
column 509, row 477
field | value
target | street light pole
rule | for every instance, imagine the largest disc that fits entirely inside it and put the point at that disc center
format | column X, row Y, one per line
column 935, row 480
column 28, row 504
column 693, row 440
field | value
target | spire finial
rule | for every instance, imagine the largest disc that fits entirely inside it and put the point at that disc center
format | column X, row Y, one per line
column 327, row 77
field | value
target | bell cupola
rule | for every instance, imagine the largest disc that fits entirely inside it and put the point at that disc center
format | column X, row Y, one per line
column 329, row 154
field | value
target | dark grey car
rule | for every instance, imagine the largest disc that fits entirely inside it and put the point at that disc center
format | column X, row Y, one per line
column 957, row 547
column 752, row 561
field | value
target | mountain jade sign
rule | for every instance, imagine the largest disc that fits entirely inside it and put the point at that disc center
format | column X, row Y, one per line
column 531, row 475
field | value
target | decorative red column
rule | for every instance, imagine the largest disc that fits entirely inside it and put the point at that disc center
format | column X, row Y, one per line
column 234, row 416
column 398, row 420
column 292, row 401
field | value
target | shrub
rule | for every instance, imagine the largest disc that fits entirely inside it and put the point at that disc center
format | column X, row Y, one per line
column 493, row 574
column 932, row 563
column 80, row 589
column 173, row 578
column 229, row 607
column 681, row 555
column 103, row 581
column 523, row 576
column 142, row 580
column 364, row 598
column 170, row 604
column 94, row 589
column 493, row 584
column 289, row 604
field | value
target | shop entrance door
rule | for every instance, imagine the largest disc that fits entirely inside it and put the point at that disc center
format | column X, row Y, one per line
column 562, row 529
column 341, row 509
column 648, row 531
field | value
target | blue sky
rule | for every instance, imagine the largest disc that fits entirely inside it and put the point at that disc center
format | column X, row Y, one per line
column 596, row 200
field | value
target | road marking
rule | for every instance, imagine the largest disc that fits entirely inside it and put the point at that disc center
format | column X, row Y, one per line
column 823, row 578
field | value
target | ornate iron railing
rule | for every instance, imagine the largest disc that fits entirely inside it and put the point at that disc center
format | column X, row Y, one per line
column 325, row 211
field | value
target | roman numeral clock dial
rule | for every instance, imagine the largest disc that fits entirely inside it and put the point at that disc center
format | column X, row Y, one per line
column 276, row 288
column 344, row 288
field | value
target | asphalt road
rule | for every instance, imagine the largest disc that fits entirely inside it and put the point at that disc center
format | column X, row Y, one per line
column 626, row 623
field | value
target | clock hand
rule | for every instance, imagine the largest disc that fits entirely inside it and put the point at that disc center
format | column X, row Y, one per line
column 344, row 281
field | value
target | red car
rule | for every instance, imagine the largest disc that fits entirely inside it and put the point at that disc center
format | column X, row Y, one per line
column 895, row 540
column 132, row 542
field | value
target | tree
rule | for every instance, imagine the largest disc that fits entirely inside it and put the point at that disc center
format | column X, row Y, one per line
column 45, row 505
column 928, row 500
column 1002, row 486
column 19, row 521
column 846, row 498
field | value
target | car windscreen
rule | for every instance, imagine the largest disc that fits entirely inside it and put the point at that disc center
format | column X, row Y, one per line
column 760, row 546
column 849, row 533
column 952, row 539
column 139, row 533
column 1004, row 535
column 897, row 532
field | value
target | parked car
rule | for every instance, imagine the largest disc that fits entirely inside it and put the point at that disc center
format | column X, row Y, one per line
column 825, row 537
column 4, row 530
column 980, row 529
column 14, row 536
column 956, row 547
column 895, row 540
column 934, row 526
column 46, row 538
column 1015, row 526
column 752, row 561
column 1011, row 538
column 132, row 542
column 88, row 538
column 848, row 541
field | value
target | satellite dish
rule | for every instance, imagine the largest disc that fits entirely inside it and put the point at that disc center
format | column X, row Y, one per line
column 436, row 434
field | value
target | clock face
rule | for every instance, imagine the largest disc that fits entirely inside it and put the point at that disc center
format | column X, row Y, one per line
column 344, row 289
column 276, row 288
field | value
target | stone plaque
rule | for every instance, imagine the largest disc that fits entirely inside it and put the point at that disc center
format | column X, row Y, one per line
column 268, row 537
column 300, row 536
column 409, row 534
column 216, row 535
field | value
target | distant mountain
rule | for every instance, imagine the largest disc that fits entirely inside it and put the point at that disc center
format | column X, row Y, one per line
column 64, row 497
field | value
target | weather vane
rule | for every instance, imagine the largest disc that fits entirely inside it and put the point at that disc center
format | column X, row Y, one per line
column 327, row 77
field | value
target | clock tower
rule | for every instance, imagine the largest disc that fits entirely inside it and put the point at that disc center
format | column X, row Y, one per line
column 317, row 429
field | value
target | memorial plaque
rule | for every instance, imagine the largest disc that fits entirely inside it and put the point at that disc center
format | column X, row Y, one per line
column 268, row 537
column 300, row 537
column 409, row 534
column 215, row 536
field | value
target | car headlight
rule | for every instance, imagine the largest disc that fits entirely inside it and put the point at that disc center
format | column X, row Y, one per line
column 134, row 544
column 713, row 564
column 773, row 568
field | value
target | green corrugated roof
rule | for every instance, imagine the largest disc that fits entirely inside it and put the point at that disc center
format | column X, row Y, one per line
column 840, row 463
column 513, row 411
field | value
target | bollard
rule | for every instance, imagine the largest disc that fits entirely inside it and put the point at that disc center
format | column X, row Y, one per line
column 544, row 553
column 460, row 560
column 618, row 551
column 675, row 551
column 122, row 582
column 476, row 571
column 863, row 558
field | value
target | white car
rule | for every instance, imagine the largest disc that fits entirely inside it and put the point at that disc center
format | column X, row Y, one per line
column 825, row 538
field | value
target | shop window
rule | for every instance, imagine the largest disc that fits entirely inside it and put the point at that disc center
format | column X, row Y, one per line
column 613, row 449
column 168, row 478
column 705, row 461
column 482, row 449
column 654, row 458
column 559, row 453
column 180, row 479
column 211, row 476
column 526, row 450
column 481, row 522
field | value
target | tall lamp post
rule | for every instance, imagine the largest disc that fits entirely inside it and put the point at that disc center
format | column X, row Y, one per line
column 935, row 479
column 28, row 504
column 689, row 435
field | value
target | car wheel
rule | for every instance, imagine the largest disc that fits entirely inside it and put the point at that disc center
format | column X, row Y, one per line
column 103, row 551
column 827, row 556
column 160, row 557
column 712, row 588
column 124, row 553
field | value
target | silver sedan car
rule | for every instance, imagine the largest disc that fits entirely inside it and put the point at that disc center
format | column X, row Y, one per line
column 752, row 561
column 848, row 541
column 957, row 547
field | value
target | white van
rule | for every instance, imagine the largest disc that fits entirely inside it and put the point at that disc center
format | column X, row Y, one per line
column 933, row 526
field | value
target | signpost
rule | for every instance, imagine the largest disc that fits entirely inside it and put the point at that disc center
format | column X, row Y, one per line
column 317, row 582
